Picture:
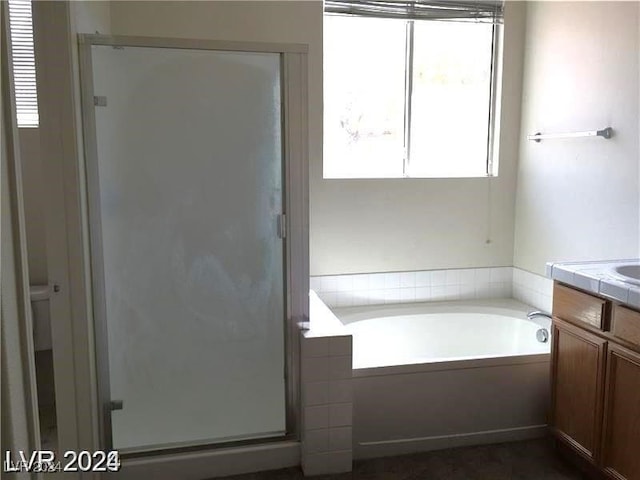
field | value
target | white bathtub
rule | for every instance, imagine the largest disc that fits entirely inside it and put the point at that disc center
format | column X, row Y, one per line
column 423, row 333
column 439, row 375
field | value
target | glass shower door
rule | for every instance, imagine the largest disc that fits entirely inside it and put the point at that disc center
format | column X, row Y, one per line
column 186, row 193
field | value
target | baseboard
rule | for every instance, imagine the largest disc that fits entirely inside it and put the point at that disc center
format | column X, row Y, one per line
column 405, row 446
column 213, row 463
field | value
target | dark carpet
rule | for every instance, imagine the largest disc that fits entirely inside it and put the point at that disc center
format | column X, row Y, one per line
column 528, row 460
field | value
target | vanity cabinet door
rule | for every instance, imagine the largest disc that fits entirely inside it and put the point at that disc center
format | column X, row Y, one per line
column 578, row 360
column 621, row 438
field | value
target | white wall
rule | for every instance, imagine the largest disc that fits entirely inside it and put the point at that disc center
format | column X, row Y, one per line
column 366, row 225
column 578, row 199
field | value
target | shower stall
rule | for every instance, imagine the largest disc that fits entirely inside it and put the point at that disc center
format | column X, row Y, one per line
column 195, row 157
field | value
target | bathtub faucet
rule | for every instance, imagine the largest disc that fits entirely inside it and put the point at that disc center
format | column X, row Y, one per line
column 542, row 335
column 538, row 313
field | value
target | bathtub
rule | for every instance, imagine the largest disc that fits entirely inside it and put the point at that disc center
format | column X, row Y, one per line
column 439, row 375
column 441, row 332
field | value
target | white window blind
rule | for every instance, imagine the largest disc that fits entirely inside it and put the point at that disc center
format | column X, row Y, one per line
column 24, row 65
column 491, row 11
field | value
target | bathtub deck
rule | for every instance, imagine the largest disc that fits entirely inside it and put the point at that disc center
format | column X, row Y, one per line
column 529, row 460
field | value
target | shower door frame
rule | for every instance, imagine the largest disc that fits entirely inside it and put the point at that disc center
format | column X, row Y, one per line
column 293, row 75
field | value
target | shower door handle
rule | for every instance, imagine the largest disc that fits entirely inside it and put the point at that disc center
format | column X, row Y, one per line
column 282, row 226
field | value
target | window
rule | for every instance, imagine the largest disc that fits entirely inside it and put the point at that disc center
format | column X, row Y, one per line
column 24, row 65
column 410, row 88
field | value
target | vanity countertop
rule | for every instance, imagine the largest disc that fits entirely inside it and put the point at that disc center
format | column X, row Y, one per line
column 597, row 277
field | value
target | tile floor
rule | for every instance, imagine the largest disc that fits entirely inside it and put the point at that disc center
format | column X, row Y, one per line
column 528, row 460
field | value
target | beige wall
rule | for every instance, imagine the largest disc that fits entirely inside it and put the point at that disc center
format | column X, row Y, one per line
column 366, row 225
column 89, row 17
column 34, row 203
column 92, row 16
column 581, row 74
column 14, row 406
column 412, row 224
column 578, row 199
column 54, row 194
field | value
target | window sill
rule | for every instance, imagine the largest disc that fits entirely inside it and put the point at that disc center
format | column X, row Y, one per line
column 433, row 177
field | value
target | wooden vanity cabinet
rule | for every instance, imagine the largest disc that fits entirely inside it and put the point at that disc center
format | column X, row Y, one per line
column 596, row 381
column 621, row 433
column 578, row 365
column 580, row 308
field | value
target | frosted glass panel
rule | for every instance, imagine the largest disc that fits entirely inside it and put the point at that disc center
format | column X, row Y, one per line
column 190, row 187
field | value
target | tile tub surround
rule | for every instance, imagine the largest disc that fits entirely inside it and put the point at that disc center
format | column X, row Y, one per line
column 327, row 393
column 416, row 286
column 596, row 277
column 434, row 285
column 532, row 289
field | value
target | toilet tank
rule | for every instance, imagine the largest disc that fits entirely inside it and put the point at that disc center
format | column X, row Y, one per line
column 39, row 296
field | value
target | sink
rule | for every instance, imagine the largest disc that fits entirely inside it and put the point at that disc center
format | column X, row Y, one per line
column 628, row 273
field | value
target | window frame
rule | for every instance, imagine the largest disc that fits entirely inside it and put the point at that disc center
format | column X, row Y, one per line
column 494, row 110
